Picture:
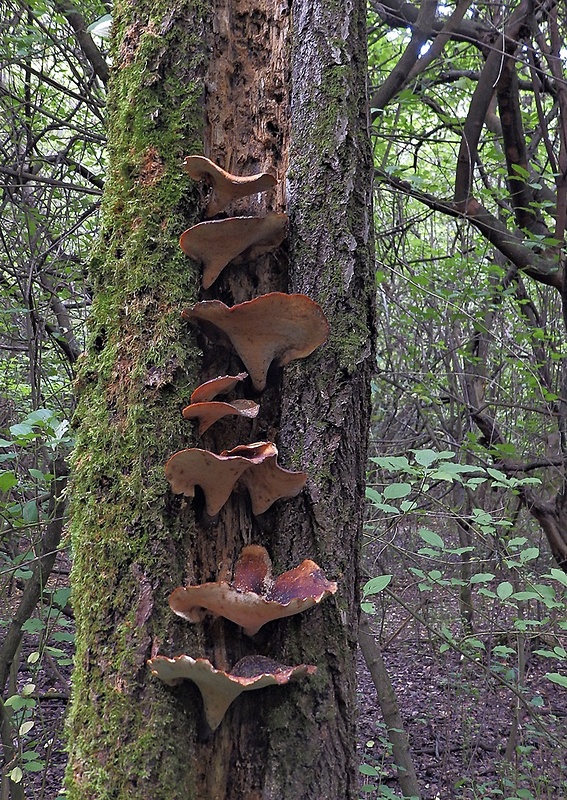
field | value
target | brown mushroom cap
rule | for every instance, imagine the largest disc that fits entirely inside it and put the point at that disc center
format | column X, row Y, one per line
column 216, row 243
column 216, row 475
column 219, row 689
column 226, row 187
column 270, row 483
column 210, row 412
column 253, row 570
column 267, row 482
column 253, row 597
column 273, row 327
column 221, row 385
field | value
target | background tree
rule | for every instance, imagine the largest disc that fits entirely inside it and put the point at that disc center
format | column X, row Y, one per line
column 51, row 169
column 132, row 542
column 486, row 104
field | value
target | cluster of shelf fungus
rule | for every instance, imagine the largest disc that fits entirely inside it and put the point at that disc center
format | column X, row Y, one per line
column 274, row 328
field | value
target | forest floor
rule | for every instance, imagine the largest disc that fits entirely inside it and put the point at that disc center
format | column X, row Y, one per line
column 460, row 725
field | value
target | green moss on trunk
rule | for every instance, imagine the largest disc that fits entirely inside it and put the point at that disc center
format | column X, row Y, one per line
column 128, row 736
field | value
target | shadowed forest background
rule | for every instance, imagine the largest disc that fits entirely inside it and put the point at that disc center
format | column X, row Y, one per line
column 463, row 635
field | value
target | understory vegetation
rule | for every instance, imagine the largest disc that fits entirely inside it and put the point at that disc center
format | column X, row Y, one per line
column 465, row 551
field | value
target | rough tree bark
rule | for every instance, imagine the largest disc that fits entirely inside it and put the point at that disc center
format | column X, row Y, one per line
column 252, row 87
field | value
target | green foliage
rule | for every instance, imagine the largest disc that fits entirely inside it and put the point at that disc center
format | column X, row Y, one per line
column 377, row 767
column 498, row 576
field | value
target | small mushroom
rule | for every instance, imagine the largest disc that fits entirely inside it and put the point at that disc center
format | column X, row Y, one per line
column 216, row 243
column 226, row 187
column 273, row 327
column 216, row 475
column 210, row 412
column 254, row 597
column 221, row 385
column 219, row 689
column 267, row 482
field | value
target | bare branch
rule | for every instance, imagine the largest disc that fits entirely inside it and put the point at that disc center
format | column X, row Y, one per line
column 85, row 40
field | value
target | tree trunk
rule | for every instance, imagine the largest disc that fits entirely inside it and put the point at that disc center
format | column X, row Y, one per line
column 216, row 81
column 372, row 652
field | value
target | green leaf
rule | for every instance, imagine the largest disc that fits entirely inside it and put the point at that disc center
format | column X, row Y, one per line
column 16, row 775
column 529, row 554
column 60, row 597
column 522, row 171
column 40, row 416
column 21, row 430
column 556, row 677
column 63, row 636
column 387, row 508
column 517, row 542
column 366, row 769
column 504, row 590
column 34, row 766
column 431, row 538
column 376, row 585
column 17, row 703
column 33, row 625
column 26, row 727
column 30, row 512
column 497, row 474
column 396, row 490
column 7, row 480
column 426, row 457
column 482, row 577
column 559, row 575
column 527, row 596
column 545, row 653
column 37, row 474
column 372, row 494
column 30, row 755
column 392, row 463
column 503, row 650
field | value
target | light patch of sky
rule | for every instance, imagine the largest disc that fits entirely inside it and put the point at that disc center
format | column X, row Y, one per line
column 394, row 36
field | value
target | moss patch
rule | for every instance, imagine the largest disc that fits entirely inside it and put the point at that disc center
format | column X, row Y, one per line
column 127, row 736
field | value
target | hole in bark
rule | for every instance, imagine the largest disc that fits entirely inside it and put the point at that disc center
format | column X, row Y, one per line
column 100, row 341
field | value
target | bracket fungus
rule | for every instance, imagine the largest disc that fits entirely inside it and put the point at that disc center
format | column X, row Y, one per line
column 221, row 385
column 226, row 187
column 273, row 327
column 219, row 689
column 210, row 412
column 207, row 411
column 254, row 597
column 267, row 482
column 218, row 242
column 217, row 475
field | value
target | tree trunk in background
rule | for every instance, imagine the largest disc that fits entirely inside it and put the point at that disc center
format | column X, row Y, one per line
column 253, row 88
